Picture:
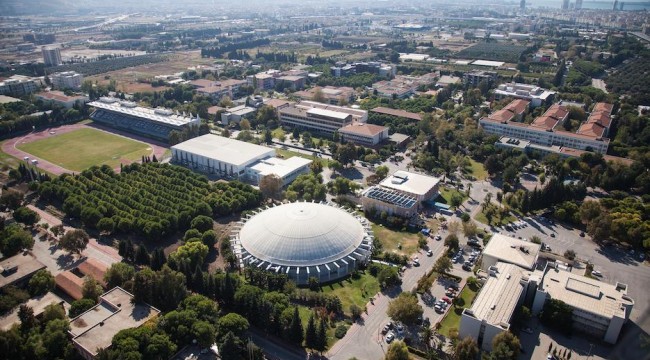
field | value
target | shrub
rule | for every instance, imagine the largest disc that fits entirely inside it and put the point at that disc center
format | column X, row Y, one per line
column 340, row 331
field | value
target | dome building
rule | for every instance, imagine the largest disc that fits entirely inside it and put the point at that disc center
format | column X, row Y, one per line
column 304, row 240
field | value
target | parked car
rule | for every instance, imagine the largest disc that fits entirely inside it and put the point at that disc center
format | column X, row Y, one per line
column 447, row 300
column 438, row 237
column 596, row 273
column 385, row 329
column 429, row 253
column 400, row 328
column 390, row 337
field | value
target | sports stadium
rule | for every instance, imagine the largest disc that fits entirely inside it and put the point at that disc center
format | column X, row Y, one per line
column 304, row 240
column 128, row 116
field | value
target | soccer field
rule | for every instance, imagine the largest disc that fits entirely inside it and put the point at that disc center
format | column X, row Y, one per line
column 80, row 149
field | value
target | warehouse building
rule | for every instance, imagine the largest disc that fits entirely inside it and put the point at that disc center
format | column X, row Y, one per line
column 234, row 159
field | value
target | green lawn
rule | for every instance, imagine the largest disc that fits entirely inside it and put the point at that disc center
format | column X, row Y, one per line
column 351, row 290
column 496, row 220
column 288, row 154
column 452, row 320
column 83, row 148
column 446, row 194
column 390, row 239
column 477, row 170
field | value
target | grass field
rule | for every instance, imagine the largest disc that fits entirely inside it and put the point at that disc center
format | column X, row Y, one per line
column 354, row 290
column 83, row 148
column 389, row 240
column 288, row 154
column 452, row 320
column 477, row 170
column 496, row 219
column 447, row 193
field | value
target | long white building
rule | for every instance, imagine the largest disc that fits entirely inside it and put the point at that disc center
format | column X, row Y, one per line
column 66, row 80
column 314, row 116
column 213, row 154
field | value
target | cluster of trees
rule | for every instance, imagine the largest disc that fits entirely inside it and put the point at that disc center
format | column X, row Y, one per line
column 151, row 200
column 493, row 51
column 277, row 57
column 308, row 187
column 219, row 51
column 14, row 239
column 46, row 338
column 621, row 218
column 17, row 117
column 558, row 315
column 104, row 66
column 554, row 192
column 28, row 174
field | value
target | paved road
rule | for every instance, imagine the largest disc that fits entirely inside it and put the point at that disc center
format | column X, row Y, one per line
column 364, row 340
column 58, row 260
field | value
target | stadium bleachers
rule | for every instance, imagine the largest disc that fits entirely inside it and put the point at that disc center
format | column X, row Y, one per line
column 133, row 124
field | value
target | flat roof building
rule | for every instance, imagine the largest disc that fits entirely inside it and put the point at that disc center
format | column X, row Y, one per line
column 19, row 85
column 60, row 98
column 495, row 304
column 319, row 117
column 18, row 269
column 535, row 94
column 510, row 250
column 38, row 305
column 66, row 80
column 214, row 154
column 599, row 309
column 151, row 122
column 422, row 187
column 116, row 311
column 401, row 193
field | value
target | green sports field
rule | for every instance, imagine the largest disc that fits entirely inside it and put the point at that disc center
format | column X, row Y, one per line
column 83, row 148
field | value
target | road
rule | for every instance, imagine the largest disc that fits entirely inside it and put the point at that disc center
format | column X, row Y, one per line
column 58, row 260
column 364, row 340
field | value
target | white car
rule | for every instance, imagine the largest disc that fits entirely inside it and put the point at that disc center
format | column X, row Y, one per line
column 390, row 337
column 596, row 273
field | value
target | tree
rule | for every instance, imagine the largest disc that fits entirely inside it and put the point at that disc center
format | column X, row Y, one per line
column 271, row 186
column 26, row 216
column 321, row 336
column 456, row 200
column 52, row 312
column 192, row 251
column 397, row 351
column 231, row 345
column 11, row 198
column 202, row 223
column 466, row 349
column 74, row 241
column 295, row 332
column 204, row 333
column 405, row 308
column 245, row 124
column 14, row 239
column 57, row 230
column 80, row 306
column 142, row 255
column 335, row 166
column 55, row 338
column 106, row 225
column 27, row 318
column 311, row 333
column 452, row 242
column 505, row 346
column 470, row 229
column 570, row 254
column 318, row 95
column 442, row 265
column 388, row 276
column 209, row 238
column 346, row 154
column 91, row 289
column 233, row 322
column 381, row 171
column 41, row 283
column 558, row 315
column 118, row 274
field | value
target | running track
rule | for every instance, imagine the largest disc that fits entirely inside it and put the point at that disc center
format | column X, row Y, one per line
column 10, row 146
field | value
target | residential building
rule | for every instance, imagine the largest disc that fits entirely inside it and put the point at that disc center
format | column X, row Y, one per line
column 218, row 89
column 51, row 56
column 502, row 248
column 493, row 308
column 213, row 154
column 474, row 78
column 19, row 85
column 61, row 99
column 330, row 94
column 565, row 4
column 116, row 311
column 599, row 309
column 66, row 80
column 157, row 123
column 18, row 269
column 578, row 4
column 364, row 134
column 536, row 95
column 522, row 4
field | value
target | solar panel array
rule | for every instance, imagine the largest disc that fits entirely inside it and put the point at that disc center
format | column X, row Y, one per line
column 391, row 197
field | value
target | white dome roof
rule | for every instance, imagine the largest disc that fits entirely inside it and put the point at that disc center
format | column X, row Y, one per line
column 301, row 234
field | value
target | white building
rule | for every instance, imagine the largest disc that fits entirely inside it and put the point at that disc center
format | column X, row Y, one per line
column 213, row 154
column 599, row 309
column 59, row 98
column 535, row 94
column 502, row 248
column 315, row 116
column 401, row 193
column 364, row 134
column 51, row 56
column 496, row 302
column 19, row 85
column 66, row 80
